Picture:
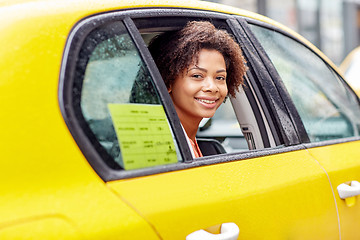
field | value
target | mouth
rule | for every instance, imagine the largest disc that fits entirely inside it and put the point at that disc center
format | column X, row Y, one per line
column 206, row 101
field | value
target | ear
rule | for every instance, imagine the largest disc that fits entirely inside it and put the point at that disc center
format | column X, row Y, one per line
column 170, row 89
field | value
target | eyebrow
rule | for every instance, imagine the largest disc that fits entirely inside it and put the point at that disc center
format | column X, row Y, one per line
column 204, row 70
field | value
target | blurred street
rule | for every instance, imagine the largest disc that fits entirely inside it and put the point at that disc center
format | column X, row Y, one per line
column 333, row 25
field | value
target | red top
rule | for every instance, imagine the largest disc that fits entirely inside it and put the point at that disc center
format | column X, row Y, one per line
column 195, row 148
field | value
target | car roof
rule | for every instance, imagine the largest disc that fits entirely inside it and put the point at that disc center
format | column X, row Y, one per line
column 40, row 7
column 14, row 13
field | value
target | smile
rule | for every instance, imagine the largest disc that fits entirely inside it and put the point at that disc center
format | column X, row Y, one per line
column 206, row 101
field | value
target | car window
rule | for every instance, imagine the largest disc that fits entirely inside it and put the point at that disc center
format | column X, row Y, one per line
column 119, row 102
column 328, row 109
column 225, row 128
column 118, row 109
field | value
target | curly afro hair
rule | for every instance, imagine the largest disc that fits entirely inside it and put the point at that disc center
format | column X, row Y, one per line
column 175, row 51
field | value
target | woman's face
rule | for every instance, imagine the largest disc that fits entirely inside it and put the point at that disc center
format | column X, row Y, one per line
column 201, row 89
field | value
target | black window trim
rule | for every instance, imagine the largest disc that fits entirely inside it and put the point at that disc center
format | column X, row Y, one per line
column 279, row 86
column 66, row 80
column 268, row 90
column 161, row 89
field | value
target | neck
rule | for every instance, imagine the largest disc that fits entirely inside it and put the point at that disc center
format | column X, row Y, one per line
column 190, row 127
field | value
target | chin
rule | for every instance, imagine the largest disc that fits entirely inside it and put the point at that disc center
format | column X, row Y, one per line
column 208, row 115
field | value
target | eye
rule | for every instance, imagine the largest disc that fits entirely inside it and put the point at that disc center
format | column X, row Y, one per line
column 196, row 76
column 221, row 78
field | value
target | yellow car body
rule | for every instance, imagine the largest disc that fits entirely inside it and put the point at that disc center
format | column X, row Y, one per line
column 49, row 190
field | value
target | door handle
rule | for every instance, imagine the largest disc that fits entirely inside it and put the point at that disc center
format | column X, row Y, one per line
column 347, row 191
column 228, row 231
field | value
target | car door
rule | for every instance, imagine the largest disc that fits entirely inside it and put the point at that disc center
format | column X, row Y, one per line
column 120, row 114
column 330, row 112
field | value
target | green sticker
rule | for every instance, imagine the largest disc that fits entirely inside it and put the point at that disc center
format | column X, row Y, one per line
column 144, row 135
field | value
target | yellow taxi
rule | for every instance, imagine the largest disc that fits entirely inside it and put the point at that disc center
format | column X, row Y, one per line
column 92, row 148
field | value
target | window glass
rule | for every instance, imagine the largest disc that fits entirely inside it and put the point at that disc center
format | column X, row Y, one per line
column 326, row 106
column 120, row 104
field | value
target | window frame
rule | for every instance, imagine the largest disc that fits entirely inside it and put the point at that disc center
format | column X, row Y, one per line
column 76, row 127
column 298, row 123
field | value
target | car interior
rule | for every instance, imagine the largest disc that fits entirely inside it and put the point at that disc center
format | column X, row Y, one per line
column 235, row 125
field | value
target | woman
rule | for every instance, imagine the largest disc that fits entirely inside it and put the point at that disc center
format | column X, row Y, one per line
column 200, row 65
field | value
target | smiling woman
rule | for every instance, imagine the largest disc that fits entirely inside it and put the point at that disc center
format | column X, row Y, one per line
column 200, row 65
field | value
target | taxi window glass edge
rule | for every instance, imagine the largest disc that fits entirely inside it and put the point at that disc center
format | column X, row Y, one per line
column 340, row 107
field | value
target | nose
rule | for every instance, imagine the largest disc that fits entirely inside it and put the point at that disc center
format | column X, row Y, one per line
column 210, row 85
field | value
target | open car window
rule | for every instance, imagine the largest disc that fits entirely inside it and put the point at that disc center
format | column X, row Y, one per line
column 225, row 128
column 240, row 123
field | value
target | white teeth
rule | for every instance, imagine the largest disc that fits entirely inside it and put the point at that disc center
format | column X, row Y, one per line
column 205, row 101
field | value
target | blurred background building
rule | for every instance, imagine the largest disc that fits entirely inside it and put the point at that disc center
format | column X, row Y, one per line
column 331, row 25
